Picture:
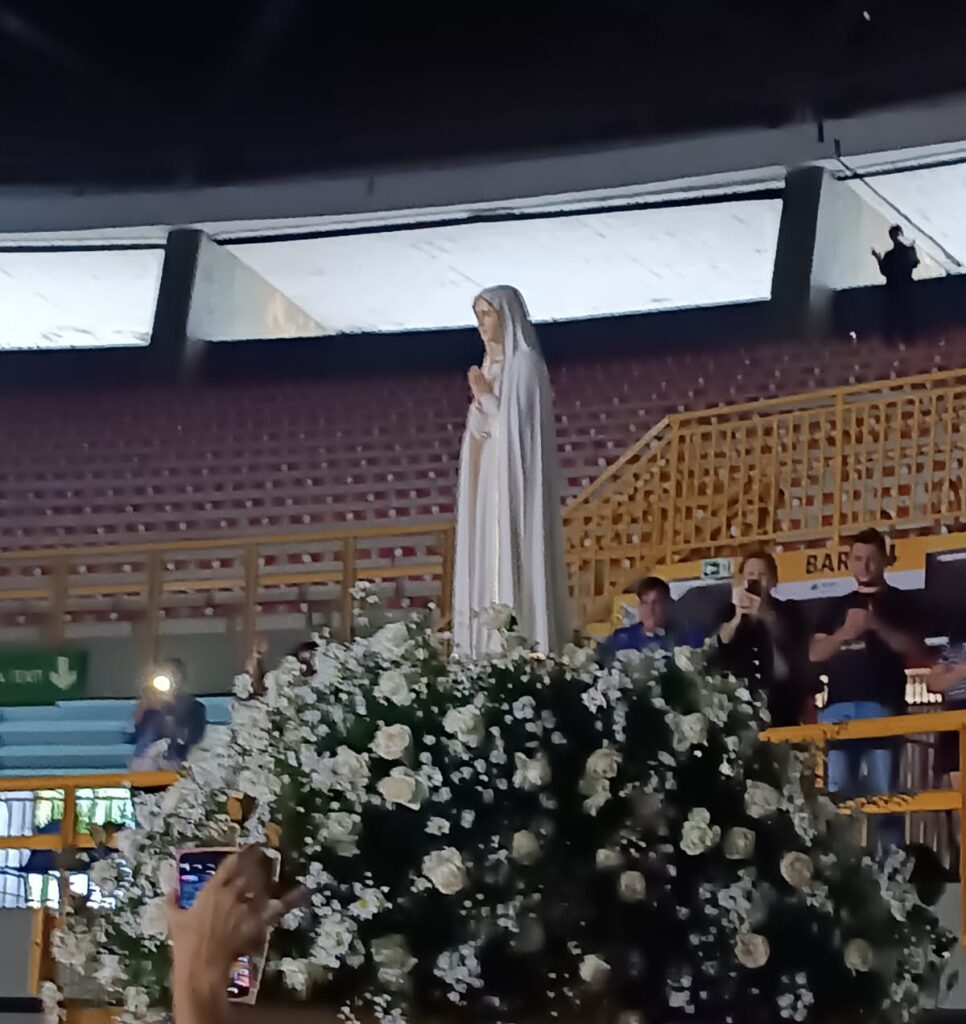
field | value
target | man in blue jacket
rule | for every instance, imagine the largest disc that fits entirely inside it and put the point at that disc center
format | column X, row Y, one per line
column 654, row 628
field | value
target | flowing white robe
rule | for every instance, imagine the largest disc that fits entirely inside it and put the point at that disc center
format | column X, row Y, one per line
column 509, row 536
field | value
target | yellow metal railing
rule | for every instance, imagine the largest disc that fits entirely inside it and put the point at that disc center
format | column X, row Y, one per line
column 796, row 470
column 149, row 576
column 904, row 803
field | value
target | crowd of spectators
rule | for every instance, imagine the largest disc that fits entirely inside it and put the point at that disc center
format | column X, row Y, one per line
column 857, row 652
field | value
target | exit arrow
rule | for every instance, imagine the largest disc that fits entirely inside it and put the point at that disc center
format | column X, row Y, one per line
column 63, row 678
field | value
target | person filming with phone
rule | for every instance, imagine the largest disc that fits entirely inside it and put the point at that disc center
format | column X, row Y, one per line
column 862, row 645
column 763, row 640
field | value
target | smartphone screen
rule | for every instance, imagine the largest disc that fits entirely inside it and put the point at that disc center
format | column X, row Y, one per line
column 195, row 868
column 754, row 587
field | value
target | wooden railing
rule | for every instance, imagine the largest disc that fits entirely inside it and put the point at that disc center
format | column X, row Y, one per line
column 795, row 470
column 243, row 571
column 798, row 469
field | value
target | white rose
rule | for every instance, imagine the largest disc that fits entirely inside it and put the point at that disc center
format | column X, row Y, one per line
column 390, row 641
column 688, row 731
column 392, row 741
column 497, row 616
column 466, row 724
column 243, row 686
column 761, row 800
column 392, row 686
column 684, row 658
column 597, row 792
column 698, row 835
column 531, row 772
column 603, row 763
column 340, row 833
column 136, row 1001
column 859, row 955
column 444, row 868
column 153, row 920
column 525, row 849
column 295, row 975
column 739, row 843
column 402, row 786
column 392, row 959
column 350, row 767
column 632, row 886
column 594, row 970
column 796, row 869
column 580, row 657
column 608, row 859
column 752, row 950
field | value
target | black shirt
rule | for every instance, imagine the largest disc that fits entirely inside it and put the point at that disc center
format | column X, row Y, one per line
column 868, row 668
column 772, row 654
column 897, row 265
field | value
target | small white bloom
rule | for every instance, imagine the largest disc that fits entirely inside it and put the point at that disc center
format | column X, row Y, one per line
column 797, row 869
column 402, row 786
column 630, row 1017
column 466, row 724
column 50, row 1001
column 110, row 971
column 525, row 849
column 859, row 956
column 531, row 772
column 103, row 874
column 444, row 868
column 524, row 708
column 608, row 859
column 632, row 886
column 752, row 950
column 688, row 731
column 393, row 687
column 437, row 827
column 739, row 843
column 594, row 970
column 761, row 800
column 392, row 741
column 698, row 835
column 368, row 903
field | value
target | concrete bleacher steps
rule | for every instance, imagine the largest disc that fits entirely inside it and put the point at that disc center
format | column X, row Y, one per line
column 77, row 737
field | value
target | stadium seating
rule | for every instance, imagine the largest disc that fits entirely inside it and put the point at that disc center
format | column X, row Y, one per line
column 220, row 461
column 76, row 737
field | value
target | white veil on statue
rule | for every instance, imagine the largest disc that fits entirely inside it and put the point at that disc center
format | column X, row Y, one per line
column 509, row 534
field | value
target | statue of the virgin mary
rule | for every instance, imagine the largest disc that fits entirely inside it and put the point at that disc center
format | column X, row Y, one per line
column 509, row 536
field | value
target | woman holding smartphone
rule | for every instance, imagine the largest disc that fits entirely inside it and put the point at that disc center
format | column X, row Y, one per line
column 763, row 640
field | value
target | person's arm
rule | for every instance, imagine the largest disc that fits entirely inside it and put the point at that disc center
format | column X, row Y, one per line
column 230, row 918
column 945, row 676
column 825, row 645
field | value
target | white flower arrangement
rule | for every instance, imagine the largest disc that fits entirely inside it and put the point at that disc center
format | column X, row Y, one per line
column 520, row 836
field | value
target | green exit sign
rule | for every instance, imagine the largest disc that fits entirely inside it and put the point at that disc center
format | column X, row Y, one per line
column 37, row 676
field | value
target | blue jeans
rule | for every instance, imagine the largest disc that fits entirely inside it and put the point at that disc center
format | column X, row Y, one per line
column 879, row 758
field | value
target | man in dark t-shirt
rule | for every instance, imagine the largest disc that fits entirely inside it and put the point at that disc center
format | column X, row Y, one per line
column 862, row 645
column 896, row 266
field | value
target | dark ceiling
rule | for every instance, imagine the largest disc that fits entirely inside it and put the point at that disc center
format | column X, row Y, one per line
column 169, row 93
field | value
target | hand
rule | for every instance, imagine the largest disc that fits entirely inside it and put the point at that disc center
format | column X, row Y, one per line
column 746, row 602
column 875, row 253
column 479, row 385
column 857, row 622
column 230, row 918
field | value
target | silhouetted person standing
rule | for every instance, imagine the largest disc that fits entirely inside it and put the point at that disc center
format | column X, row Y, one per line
column 896, row 266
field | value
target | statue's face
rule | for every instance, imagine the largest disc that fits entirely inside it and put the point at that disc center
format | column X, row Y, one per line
column 488, row 324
